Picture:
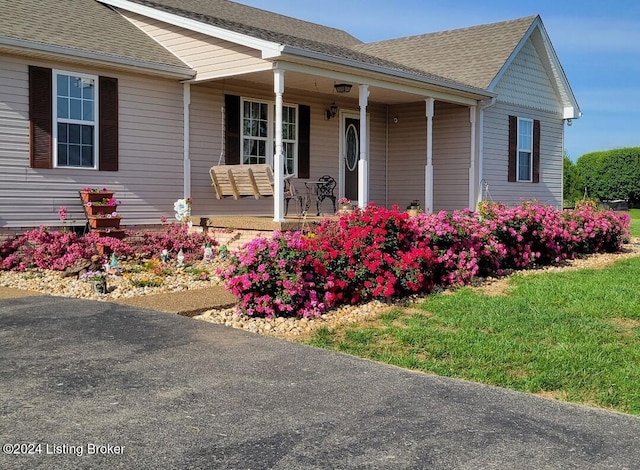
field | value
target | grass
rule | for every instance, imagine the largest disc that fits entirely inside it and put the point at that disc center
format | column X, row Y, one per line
column 635, row 222
column 573, row 336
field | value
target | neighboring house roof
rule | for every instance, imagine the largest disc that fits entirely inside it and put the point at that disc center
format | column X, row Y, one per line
column 84, row 29
column 472, row 55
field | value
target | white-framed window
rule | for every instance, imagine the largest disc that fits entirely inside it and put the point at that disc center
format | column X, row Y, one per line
column 258, row 134
column 524, row 163
column 75, row 120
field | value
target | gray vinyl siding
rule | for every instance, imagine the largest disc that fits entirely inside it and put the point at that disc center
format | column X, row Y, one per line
column 496, row 145
column 525, row 90
column 150, row 172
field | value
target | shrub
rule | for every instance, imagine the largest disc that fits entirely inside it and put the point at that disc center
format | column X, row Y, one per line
column 57, row 250
column 380, row 253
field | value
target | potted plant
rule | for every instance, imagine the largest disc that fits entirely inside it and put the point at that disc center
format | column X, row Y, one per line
column 111, row 220
column 89, row 194
column 98, row 279
column 103, row 206
column 413, row 208
column 345, row 204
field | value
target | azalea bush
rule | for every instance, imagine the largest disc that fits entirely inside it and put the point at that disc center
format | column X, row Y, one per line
column 57, row 250
column 378, row 253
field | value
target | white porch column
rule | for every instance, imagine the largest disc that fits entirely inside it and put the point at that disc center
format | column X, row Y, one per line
column 428, row 171
column 186, row 157
column 278, row 163
column 363, row 163
column 472, row 162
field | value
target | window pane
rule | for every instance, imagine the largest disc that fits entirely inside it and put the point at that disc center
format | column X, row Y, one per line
column 87, row 110
column 74, row 134
column 63, row 108
column 63, row 156
column 75, row 87
column 63, row 85
column 87, row 135
column 75, row 109
column 74, row 155
column 525, row 137
column 524, row 166
column 62, row 133
column 88, row 89
column 87, row 156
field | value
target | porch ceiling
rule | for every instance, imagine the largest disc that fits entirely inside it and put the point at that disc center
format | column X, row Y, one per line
column 383, row 92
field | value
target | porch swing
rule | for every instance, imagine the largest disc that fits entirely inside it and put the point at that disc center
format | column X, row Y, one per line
column 239, row 181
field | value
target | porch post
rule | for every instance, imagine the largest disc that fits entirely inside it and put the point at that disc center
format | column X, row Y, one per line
column 428, row 171
column 186, row 158
column 278, row 166
column 472, row 156
column 363, row 172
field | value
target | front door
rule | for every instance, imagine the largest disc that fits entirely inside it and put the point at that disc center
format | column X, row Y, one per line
column 350, row 156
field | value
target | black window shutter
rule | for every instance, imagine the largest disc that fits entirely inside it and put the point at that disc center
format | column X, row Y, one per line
column 304, row 141
column 40, row 118
column 536, row 151
column 232, row 129
column 108, row 124
column 513, row 147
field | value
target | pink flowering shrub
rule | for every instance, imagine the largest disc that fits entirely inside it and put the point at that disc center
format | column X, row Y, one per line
column 274, row 277
column 57, row 250
column 381, row 253
column 44, row 249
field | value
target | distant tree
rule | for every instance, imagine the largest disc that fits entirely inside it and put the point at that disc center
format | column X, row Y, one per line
column 612, row 174
column 573, row 184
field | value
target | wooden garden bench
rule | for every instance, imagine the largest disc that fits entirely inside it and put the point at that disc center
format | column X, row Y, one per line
column 239, row 181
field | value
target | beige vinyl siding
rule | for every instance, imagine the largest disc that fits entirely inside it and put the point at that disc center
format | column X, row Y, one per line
column 451, row 156
column 526, row 82
column 150, row 172
column 207, row 101
column 407, row 154
column 496, row 145
column 209, row 56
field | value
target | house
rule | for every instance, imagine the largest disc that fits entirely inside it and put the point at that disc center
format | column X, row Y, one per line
column 144, row 96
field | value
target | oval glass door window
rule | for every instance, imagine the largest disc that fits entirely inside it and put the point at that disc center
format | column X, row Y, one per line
column 352, row 147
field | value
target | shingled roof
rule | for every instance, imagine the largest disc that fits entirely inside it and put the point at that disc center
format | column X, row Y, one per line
column 84, row 27
column 283, row 30
column 472, row 55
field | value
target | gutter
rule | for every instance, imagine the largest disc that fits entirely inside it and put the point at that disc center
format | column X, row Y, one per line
column 172, row 71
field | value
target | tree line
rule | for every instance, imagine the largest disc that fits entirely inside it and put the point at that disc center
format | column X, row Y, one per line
column 605, row 175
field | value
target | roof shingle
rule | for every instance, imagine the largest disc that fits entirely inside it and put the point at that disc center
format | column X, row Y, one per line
column 81, row 25
column 472, row 55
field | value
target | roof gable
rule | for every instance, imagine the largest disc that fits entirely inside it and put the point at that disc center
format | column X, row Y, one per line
column 82, row 28
column 472, row 55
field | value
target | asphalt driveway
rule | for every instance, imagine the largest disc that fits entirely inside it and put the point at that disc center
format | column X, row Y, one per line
column 96, row 385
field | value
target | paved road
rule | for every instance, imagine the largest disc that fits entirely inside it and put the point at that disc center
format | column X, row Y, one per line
column 173, row 392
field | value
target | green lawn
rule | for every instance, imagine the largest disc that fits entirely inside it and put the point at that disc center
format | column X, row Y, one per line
column 635, row 222
column 573, row 335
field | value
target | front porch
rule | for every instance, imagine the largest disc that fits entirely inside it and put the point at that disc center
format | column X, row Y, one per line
column 235, row 231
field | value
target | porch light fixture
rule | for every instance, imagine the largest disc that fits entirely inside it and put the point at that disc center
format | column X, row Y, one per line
column 342, row 87
column 332, row 111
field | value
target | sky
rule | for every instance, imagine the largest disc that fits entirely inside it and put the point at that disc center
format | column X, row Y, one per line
column 597, row 42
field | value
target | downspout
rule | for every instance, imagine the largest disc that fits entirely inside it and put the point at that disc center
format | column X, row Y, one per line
column 186, row 101
column 483, row 105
